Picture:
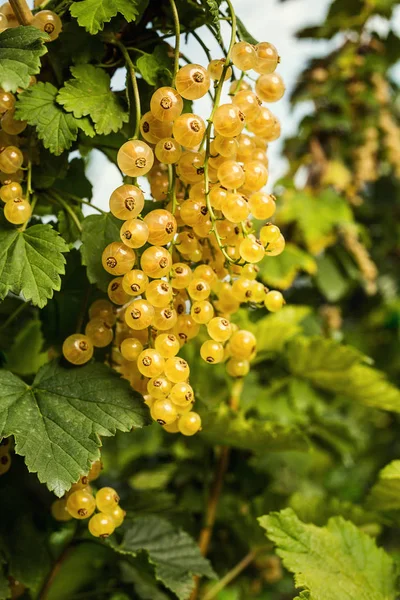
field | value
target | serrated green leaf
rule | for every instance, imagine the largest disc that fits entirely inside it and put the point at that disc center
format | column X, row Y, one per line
column 317, row 215
column 280, row 271
column 31, row 263
column 55, row 127
column 49, row 169
column 212, row 8
column 57, row 420
column 174, row 554
column 244, row 34
column 89, row 94
column 92, row 14
column 25, row 355
column 336, row 561
column 339, row 369
column 97, row 232
column 154, row 66
column 20, row 52
column 233, row 429
column 385, row 494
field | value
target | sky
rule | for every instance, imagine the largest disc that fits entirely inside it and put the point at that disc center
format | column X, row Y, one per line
column 267, row 20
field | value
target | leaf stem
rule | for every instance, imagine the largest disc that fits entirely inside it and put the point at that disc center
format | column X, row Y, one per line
column 177, row 38
column 202, row 44
column 132, row 73
column 85, row 202
column 69, row 210
column 14, row 315
column 231, row 575
column 22, row 11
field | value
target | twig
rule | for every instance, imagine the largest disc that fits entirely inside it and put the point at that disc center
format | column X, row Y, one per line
column 216, row 487
column 136, row 95
column 231, row 575
column 202, row 44
column 14, row 315
column 177, row 38
column 69, row 210
column 21, row 11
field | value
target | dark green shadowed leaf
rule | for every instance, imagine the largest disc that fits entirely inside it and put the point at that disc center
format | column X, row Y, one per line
column 244, row 34
column 57, row 421
column 20, row 52
column 98, row 232
column 156, row 67
column 31, row 262
column 174, row 554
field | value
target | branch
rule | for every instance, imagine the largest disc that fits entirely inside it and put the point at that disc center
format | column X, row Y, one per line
column 22, row 11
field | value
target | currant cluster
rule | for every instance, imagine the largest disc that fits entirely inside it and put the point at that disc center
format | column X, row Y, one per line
column 45, row 20
column 80, row 503
column 193, row 262
column 5, row 458
column 17, row 209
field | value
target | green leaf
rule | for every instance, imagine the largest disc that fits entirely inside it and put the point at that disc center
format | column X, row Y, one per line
column 75, row 181
column 89, row 94
column 233, row 429
column 339, row 369
column 385, row 494
column 212, row 8
column 57, row 420
column 336, row 561
column 31, row 262
column 274, row 330
column 20, row 52
column 175, row 555
column 317, row 215
column 25, row 357
column 329, row 279
column 56, row 128
column 154, row 66
column 81, row 568
column 281, row 271
column 244, row 34
column 67, row 227
column 97, row 232
column 92, row 14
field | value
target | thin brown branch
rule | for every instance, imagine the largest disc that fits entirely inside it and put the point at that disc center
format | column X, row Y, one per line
column 216, row 487
column 22, row 11
column 231, row 575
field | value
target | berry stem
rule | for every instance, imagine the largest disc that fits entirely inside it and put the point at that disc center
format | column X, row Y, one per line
column 207, row 136
column 171, row 187
column 29, row 189
column 22, row 11
column 177, row 38
column 136, row 95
